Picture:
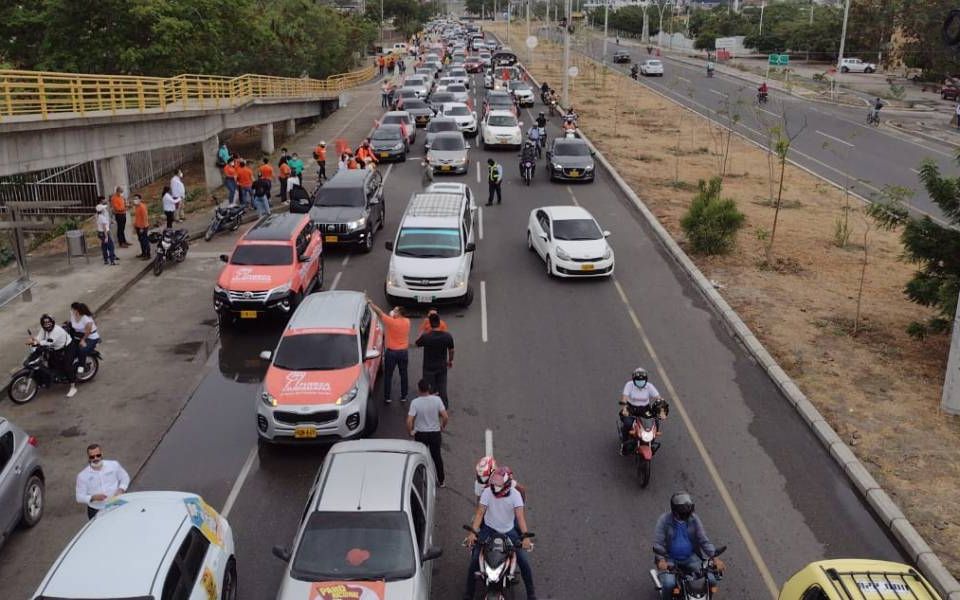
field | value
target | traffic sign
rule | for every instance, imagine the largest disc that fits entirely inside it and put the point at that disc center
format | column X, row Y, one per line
column 781, row 60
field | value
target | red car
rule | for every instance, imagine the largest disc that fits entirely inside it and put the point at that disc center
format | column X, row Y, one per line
column 474, row 64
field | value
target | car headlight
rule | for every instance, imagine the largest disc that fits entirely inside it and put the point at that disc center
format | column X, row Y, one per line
column 348, row 396
column 399, row 146
column 607, row 254
column 392, row 279
column 556, row 167
column 268, row 399
column 588, row 168
column 281, row 290
column 459, row 161
column 219, row 290
column 460, row 280
column 357, row 224
column 562, row 254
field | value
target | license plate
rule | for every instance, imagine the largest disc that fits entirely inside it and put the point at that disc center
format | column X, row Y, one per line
column 586, row 267
column 424, row 299
column 574, row 173
column 384, row 154
column 305, row 432
column 330, row 238
column 445, row 168
column 248, row 314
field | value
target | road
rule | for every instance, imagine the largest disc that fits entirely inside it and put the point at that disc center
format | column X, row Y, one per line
column 546, row 379
column 833, row 142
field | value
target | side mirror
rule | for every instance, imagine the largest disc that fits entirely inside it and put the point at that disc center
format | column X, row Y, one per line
column 224, row 258
column 266, row 355
column 388, row 245
column 606, row 234
column 303, row 258
column 470, row 247
column 545, row 237
column 282, row 553
column 371, row 354
column 432, row 553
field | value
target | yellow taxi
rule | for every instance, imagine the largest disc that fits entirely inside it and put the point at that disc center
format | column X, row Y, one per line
column 857, row 579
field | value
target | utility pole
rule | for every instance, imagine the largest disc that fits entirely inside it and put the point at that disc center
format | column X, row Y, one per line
column 606, row 19
column 645, row 34
column 508, row 22
column 763, row 5
column 843, row 34
column 566, row 55
column 527, row 41
column 811, row 27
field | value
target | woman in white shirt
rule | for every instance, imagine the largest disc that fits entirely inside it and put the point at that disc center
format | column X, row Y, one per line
column 169, row 206
column 84, row 328
column 103, row 232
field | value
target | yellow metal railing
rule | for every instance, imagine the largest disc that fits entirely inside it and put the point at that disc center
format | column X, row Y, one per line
column 26, row 93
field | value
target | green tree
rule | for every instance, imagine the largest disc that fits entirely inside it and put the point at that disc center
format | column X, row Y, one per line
column 920, row 24
column 712, row 222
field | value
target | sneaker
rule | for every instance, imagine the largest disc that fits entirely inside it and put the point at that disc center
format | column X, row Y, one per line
column 388, row 400
column 72, row 391
column 403, row 399
column 442, row 484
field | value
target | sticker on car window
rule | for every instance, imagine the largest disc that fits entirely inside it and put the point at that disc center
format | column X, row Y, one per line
column 348, row 590
column 205, row 519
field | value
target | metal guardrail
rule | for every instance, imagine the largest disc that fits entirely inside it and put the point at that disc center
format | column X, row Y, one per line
column 42, row 94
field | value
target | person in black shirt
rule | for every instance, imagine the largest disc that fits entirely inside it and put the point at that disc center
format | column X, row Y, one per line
column 437, row 357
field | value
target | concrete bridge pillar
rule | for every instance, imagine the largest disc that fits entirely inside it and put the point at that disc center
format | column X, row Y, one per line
column 211, row 172
column 113, row 173
column 290, row 128
column 266, row 138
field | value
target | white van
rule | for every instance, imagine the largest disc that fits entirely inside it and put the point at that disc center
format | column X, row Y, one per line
column 398, row 48
column 433, row 251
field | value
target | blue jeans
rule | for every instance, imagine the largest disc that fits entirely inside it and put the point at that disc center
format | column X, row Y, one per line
column 88, row 349
column 522, row 562
column 669, row 580
column 246, row 197
column 262, row 204
column 106, row 247
column 231, row 185
column 398, row 359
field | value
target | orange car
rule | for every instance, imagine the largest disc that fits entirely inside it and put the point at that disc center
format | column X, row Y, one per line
column 320, row 383
column 271, row 269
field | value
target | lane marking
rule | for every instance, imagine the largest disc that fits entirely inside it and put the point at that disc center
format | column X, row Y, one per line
column 346, row 259
column 480, row 220
column 914, row 170
column 572, row 197
column 702, row 450
column 683, row 79
column 836, row 139
column 773, row 114
column 483, row 310
column 478, row 171
column 713, row 91
column 488, row 443
column 336, row 281
column 238, row 484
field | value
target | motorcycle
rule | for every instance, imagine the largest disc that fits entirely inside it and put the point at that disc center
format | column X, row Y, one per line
column 642, row 431
column 692, row 585
column 526, row 170
column 224, row 218
column 762, row 97
column 635, row 74
column 172, row 245
column 709, row 71
column 497, row 565
column 541, row 140
column 25, row 383
column 427, row 172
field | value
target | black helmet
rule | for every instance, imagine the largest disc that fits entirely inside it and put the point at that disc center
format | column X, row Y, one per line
column 47, row 322
column 639, row 377
column 541, row 114
column 681, row 505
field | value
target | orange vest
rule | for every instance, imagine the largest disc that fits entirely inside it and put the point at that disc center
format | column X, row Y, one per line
column 321, row 152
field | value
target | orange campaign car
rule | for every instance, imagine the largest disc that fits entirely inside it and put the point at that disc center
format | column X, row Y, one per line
column 320, row 383
column 271, row 269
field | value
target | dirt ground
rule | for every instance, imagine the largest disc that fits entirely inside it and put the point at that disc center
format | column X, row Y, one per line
column 879, row 388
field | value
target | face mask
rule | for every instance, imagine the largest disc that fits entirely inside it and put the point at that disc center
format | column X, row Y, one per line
column 640, row 384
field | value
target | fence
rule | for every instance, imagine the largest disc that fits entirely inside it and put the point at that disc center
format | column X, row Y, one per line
column 143, row 168
column 80, row 182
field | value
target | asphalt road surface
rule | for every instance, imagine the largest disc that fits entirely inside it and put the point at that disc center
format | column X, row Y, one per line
column 834, row 142
column 546, row 379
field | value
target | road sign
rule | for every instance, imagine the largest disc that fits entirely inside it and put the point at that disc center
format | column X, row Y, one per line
column 781, row 60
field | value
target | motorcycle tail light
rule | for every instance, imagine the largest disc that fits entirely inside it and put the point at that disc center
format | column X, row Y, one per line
column 33, row 441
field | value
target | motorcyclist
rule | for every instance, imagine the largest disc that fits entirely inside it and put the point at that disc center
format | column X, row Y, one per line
column 677, row 538
column 63, row 350
column 639, row 398
column 541, row 120
column 634, row 71
column 529, row 154
column 710, row 68
column 762, row 91
column 533, row 137
column 544, row 88
column 500, row 510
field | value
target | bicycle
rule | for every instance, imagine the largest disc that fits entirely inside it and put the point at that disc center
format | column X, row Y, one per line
column 873, row 118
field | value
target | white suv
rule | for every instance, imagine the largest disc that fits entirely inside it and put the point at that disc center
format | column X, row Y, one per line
column 432, row 254
column 855, row 65
column 466, row 119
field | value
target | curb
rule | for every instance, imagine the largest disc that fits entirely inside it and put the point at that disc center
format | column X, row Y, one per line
column 879, row 501
column 926, row 136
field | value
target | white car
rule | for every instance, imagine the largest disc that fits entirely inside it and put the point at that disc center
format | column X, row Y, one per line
column 459, row 91
column 444, row 82
column 522, row 91
column 420, row 84
column 147, row 545
column 461, row 75
column 466, row 119
column 501, row 128
column 855, row 65
column 570, row 242
column 651, row 67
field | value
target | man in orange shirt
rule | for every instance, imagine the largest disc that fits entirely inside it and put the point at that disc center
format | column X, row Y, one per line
column 119, row 205
column 397, row 329
column 141, row 225
column 320, row 155
column 425, row 324
column 245, row 183
column 285, row 172
column 365, row 151
column 266, row 172
column 230, row 179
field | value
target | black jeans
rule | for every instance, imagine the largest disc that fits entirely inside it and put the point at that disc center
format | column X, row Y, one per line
column 494, row 189
column 91, row 512
column 283, row 189
column 431, row 439
column 398, row 359
column 121, row 228
column 169, row 214
column 144, row 242
column 437, row 378
column 322, row 169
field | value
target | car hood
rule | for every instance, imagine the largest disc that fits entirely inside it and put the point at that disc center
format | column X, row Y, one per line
column 254, row 278
column 425, row 267
column 446, row 156
column 573, row 162
column 522, row 92
column 378, row 145
column 419, row 111
column 293, row 589
column 504, row 131
column 295, row 388
column 335, row 214
column 583, row 248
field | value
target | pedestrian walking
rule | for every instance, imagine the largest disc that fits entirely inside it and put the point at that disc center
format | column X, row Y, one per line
column 437, row 357
column 119, row 205
column 426, row 420
column 141, row 225
column 320, row 155
column 397, row 328
column 84, row 328
column 245, row 183
column 384, row 95
column 380, row 64
column 169, row 206
column 100, row 481
column 230, row 179
column 261, row 196
column 103, row 233
column 494, row 180
column 179, row 193
column 296, row 165
column 266, row 171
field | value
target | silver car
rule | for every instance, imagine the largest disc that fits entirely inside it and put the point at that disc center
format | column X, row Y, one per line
column 21, row 480
column 437, row 126
column 419, row 83
column 459, row 91
column 448, row 153
column 368, row 525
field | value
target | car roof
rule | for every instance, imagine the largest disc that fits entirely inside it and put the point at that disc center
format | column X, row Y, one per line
column 339, row 309
column 348, row 178
column 856, row 579
column 133, row 538
column 277, row 227
column 501, row 113
column 448, row 134
column 396, row 113
column 569, row 141
column 562, row 212
column 436, row 120
column 435, row 204
column 388, row 127
column 364, row 480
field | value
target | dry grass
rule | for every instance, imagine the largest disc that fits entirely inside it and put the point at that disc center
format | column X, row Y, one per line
column 880, row 389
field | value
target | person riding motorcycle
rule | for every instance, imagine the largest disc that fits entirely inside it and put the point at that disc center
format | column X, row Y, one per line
column 529, row 154
column 544, row 88
column 533, row 135
column 762, row 91
column 677, row 537
column 541, row 120
column 634, row 71
column 63, row 350
column 639, row 398
column 710, row 68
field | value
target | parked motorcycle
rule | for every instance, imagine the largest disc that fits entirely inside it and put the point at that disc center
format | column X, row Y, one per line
column 693, row 585
column 497, row 565
column 642, row 431
column 526, row 171
column 172, row 245
column 224, row 218
column 37, row 373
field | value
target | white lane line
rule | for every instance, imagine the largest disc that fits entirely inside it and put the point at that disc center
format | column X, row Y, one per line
column 572, row 197
column 383, row 181
column 488, row 443
column 914, row 170
column 713, row 91
column 480, row 220
column 346, row 259
column 683, row 79
column 702, row 449
column 483, row 310
column 478, row 171
column 336, row 281
column 836, row 139
column 768, row 112
column 238, row 484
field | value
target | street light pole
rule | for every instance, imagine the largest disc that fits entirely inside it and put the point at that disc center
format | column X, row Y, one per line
column 762, row 6
column 566, row 55
column 843, row 34
column 606, row 19
column 529, row 48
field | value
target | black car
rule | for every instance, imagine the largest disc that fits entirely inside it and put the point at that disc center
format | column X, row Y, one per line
column 570, row 159
column 349, row 208
column 389, row 143
column 621, row 57
column 420, row 110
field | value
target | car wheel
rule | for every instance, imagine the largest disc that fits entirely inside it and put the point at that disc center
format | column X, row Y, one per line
column 295, row 300
column 373, row 418
column 33, row 501
column 368, row 242
column 549, row 267
column 529, row 241
column 229, row 581
column 467, row 298
column 383, row 214
column 844, row 70
column 868, row 70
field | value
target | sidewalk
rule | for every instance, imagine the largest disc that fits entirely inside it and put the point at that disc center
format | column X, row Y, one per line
column 57, row 283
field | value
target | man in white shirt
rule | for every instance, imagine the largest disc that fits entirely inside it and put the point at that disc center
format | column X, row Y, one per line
column 179, row 193
column 101, row 481
column 426, row 419
column 62, row 357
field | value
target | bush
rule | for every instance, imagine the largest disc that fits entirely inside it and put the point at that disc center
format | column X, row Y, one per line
column 712, row 223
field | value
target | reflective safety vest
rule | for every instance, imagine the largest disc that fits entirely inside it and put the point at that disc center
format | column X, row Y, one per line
column 495, row 173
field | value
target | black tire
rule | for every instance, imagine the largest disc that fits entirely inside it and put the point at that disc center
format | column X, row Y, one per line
column 549, row 267
column 209, row 233
column 643, row 470
column 186, row 248
column 868, row 70
column 33, row 501
column 321, row 272
column 373, row 418
column 383, row 214
column 229, row 581
column 91, row 367
column 368, row 243
column 224, row 321
column 158, row 265
column 295, row 299
column 844, row 70
column 22, row 388
column 467, row 298
column 236, row 224
column 530, row 242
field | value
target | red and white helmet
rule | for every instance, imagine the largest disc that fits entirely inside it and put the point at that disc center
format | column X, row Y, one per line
column 485, row 468
column 501, row 482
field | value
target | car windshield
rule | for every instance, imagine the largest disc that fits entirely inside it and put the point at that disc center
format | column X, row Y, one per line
column 441, row 97
column 456, row 87
column 502, row 121
column 340, row 196
column 519, row 85
column 265, row 255
column 408, row 93
column 457, row 111
column 393, row 120
column 500, row 101
column 355, row 546
column 436, row 126
column 458, row 73
column 387, row 134
column 428, row 242
column 447, row 142
column 653, row 63
column 317, row 352
column 414, row 103
column 572, row 150
column 576, row 229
